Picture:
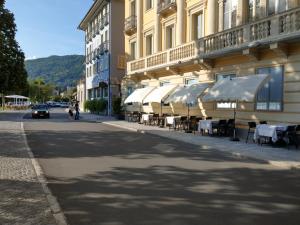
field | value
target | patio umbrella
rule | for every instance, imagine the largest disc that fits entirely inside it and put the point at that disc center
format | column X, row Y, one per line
column 238, row 89
column 160, row 94
column 138, row 96
column 187, row 95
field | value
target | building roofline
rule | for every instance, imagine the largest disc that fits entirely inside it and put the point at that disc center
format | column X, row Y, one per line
column 82, row 25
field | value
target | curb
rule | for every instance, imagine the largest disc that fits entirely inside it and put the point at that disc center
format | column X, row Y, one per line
column 53, row 203
column 280, row 164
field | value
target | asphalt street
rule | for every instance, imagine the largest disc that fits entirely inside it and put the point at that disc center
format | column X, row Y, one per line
column 110, row 176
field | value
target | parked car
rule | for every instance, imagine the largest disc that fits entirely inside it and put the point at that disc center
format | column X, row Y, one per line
column 40, row 111
column 64, row 104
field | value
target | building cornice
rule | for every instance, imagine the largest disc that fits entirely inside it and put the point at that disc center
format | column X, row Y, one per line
column 90, row 14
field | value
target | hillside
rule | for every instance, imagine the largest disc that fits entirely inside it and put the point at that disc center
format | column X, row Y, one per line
column 60, row 70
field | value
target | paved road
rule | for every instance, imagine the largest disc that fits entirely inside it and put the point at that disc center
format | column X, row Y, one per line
column 109, row 176
column 22, row 199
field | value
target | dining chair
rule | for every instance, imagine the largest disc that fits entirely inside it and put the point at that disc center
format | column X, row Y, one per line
column 251, row 130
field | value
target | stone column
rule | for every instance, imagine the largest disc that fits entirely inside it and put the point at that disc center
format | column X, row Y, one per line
column 242, row 12
column 139, row 29
column 180, row 22
column 157, row 28
column 221, row 15
column 211, row 17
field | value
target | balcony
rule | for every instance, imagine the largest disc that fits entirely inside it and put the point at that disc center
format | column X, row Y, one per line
column 130, row 25
column 166, row 7
column 272, row 32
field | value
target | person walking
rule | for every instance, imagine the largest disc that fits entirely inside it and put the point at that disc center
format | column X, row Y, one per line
column 77, row 111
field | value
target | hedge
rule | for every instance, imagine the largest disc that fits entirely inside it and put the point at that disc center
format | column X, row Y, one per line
column 96, row 105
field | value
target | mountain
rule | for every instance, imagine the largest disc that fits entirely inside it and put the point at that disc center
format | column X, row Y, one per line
column 62, row 71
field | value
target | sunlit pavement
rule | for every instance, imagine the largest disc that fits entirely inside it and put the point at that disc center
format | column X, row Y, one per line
column 22, row 199
column 106, row 175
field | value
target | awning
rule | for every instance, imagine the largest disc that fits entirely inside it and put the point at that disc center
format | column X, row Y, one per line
column 187, row 94
column 160, row 94
column 16, row 97
column 236, row 89
column 138, row 95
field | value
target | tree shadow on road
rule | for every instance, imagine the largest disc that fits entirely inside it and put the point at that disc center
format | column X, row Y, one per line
column 172, row 195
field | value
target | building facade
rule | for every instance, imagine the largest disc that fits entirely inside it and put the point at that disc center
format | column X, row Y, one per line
column 81, row 93
column 191, row 41
column 104, row 44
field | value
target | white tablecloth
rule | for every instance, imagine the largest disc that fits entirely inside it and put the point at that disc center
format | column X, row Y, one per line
column 146, row 117
column 206, row 125
column 267, row 130
column 170, row 120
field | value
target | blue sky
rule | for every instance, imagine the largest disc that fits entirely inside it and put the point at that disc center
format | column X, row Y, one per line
column 49, row 27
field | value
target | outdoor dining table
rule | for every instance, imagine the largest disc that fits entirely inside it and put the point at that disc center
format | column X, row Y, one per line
column 170, row 120
column 206, row 125
column 146, row 117
column 268, row 130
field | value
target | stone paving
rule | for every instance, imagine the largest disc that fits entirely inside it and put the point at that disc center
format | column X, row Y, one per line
column 281, row 157
column 22, row 198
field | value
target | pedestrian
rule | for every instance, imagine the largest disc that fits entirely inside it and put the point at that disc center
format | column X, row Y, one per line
column 76, row 110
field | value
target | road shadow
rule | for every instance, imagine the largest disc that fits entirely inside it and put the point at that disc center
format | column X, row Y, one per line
column 123, row 144
column 175, row 196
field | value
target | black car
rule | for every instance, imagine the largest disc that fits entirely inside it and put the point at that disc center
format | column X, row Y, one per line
column 40, row 111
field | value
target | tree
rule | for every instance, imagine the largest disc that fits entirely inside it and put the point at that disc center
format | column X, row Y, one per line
column 13, row 76
column 39, row 91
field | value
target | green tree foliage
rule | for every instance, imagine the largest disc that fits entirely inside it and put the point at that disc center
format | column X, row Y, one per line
column 13, row 76
column 62, row 71
column 39, row 91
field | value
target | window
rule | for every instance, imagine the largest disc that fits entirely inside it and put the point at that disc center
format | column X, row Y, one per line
column 277, row 6
column 270, row 96
column 197, row 21
column 170, row 33
column 149, row 44
column 133, row 50
column 106, row 35
column 191, row 81
column 149, row 4
column 164, row 83
column 225, row 105
column 104, row 92
column 129, row 90
column 90, row 94
column 132, row 8
column 230, row 7
column 254, row 9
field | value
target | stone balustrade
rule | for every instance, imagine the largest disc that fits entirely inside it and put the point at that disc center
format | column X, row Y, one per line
column 277, row 27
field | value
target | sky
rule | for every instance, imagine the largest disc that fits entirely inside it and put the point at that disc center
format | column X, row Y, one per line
column 49, row 27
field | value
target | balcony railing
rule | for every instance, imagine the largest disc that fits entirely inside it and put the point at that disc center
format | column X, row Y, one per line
column 166, row 7
column 175, row 55
column 130, row 25
column 280, row 27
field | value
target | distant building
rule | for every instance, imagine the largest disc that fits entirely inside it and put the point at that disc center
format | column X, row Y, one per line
column 104, row 44
column 81, row 93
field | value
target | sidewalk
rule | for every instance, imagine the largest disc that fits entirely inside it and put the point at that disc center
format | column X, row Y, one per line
column 281, row 157
column 23, row 200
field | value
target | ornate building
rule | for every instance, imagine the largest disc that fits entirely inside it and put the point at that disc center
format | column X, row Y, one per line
column 200, row 41
column 104, row 44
